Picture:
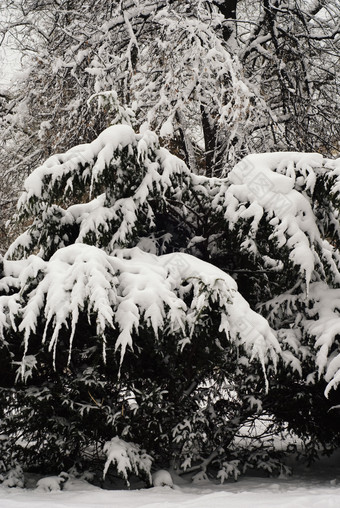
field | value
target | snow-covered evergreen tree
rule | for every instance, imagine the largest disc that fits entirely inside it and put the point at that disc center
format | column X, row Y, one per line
column 119, row 319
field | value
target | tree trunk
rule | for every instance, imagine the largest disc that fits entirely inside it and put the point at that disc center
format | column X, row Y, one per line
column 210, row 132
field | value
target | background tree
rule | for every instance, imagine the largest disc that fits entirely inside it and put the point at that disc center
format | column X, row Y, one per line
column 217, row 79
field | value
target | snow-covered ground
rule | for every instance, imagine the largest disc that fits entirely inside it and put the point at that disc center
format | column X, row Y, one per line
column 317, row 488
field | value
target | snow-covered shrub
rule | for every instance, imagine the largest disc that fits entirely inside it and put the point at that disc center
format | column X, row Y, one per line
column 162, row 478
column 119, row 315
column 127, row 458
column 14, row 478
column 52, row 483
